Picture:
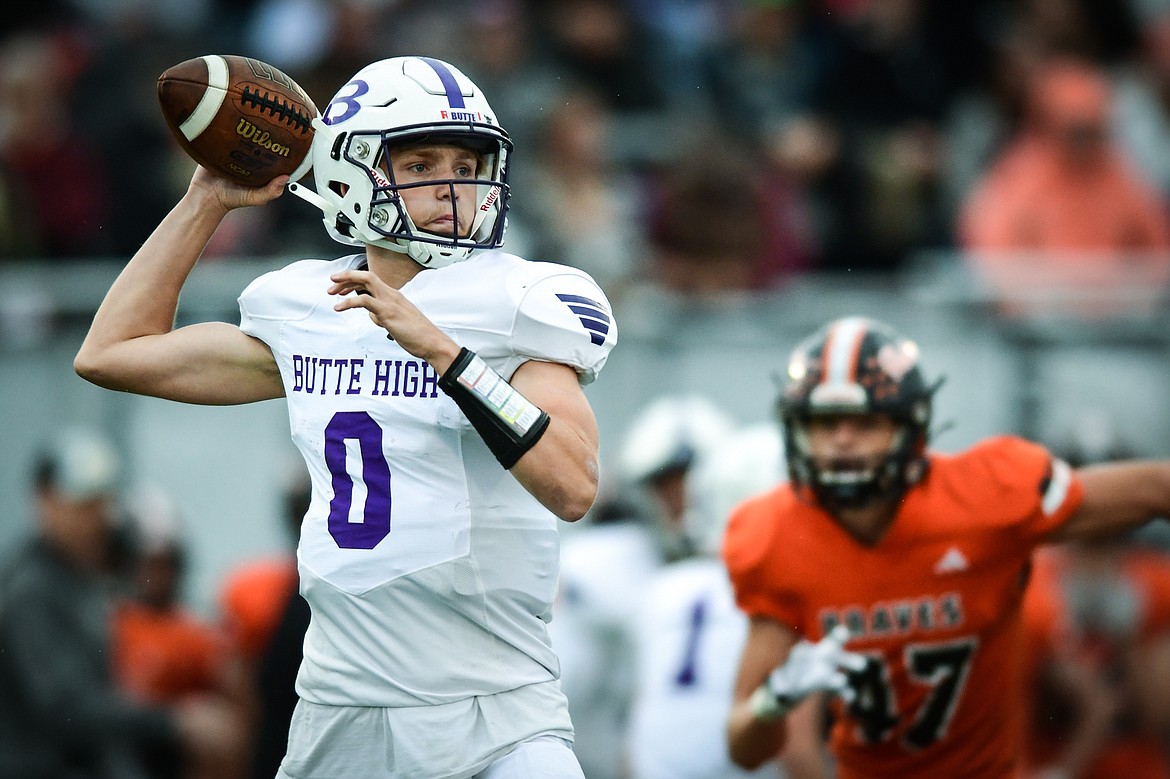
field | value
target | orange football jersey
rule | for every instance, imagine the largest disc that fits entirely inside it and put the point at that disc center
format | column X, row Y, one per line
column 1142, row 584
column 935, row 605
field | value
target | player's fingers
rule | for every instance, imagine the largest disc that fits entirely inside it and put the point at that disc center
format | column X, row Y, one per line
column 353, row 276
column 354, row 301
column 839, row 635
column 275, row 188
column 851, row 661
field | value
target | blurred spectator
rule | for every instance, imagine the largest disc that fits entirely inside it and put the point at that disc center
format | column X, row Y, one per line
column 115, row 100
column 505, row 58
column 601, row 45
column 683, row 36
column 266, row 619
column 61, row 714
column 987, row 116
column 1063, row 193
column 163, row 653
column 579, row 206
column 55, row 182
column 887, row 84
column 1103, row 31
column 763, row 72
column 721, row 221
column 1061, row 185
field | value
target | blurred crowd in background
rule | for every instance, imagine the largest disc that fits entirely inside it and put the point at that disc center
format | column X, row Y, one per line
column 702, row 145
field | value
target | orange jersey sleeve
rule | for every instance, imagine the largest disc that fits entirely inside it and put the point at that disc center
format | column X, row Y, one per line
column 935, row 605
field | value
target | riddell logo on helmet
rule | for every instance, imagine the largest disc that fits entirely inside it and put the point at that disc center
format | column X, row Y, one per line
column 462, row 116
column 490, row 199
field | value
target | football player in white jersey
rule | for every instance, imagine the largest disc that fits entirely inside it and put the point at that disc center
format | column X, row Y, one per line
column 691, row 632
column 607, row 562
column 434, row 386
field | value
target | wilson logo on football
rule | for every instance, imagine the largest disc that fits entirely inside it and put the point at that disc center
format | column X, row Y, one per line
column 261, row 138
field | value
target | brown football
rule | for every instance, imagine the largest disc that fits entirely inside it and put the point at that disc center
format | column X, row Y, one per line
column 238, row 116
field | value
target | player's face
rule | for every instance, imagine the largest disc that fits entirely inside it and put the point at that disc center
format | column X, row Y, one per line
column 80, row 528
column 860, row 439
column 431, row 207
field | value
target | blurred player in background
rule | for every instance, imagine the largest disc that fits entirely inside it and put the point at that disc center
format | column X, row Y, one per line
column 690, row 631
column 607, row 562
column 605, row 566
column 906, row 567
column 666, row 437
column 1097, row 630
column 163, row 653
column 434, row 390
column 62, row 713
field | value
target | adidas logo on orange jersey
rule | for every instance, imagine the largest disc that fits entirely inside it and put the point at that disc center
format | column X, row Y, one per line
column 953, row 561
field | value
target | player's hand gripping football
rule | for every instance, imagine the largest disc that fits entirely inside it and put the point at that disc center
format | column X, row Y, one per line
column 230, row 195
column 810, row 668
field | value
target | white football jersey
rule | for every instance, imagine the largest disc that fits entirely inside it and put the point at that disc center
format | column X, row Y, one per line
column 604, row 569
column 689, row 642
column 429, row 569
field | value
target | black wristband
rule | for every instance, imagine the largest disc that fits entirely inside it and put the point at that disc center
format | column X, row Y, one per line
column 507, row 422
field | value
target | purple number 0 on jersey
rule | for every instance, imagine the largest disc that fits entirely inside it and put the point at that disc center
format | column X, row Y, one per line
column 375, row 525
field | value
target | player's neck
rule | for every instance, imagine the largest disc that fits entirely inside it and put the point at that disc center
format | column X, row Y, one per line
column 868, row 524
column 394, row 268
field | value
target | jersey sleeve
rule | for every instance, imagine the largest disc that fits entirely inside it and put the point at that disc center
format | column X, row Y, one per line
column 279, row 296
column 1037, row 491
column 564, row 317
column 747, row 548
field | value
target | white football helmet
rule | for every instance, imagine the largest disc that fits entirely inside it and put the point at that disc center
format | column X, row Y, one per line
column 747, row 462
column 388, row 103
column 669, row 434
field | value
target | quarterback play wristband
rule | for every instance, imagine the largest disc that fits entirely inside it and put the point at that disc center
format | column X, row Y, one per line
column 508, row 423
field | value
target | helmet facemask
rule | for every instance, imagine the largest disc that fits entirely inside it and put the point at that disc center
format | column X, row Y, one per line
column 846, row 483
column 482, row 212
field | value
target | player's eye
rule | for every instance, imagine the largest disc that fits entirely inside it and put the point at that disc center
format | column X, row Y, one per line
column 464, row 171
